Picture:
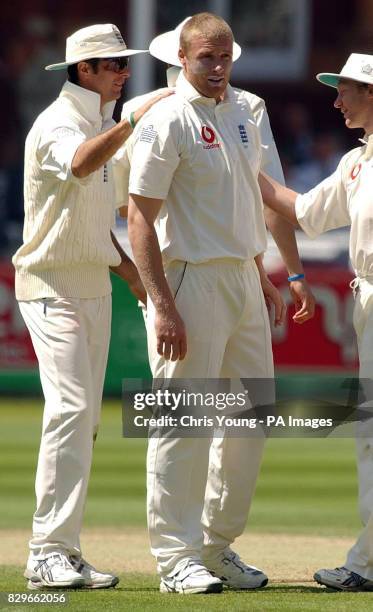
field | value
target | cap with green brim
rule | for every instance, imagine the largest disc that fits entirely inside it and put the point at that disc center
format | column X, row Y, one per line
column 359, row 67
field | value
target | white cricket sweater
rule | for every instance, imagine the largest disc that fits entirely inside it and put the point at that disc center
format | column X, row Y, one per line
column 67, row 247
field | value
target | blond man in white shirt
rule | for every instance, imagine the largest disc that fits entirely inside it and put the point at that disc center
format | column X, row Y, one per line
column 194, row 173
column 64, row 290
column 345, row 199
column 165, row 47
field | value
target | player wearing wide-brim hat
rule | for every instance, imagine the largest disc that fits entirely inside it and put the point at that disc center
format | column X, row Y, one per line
column 346, row 199
column 97, row 41
column 64, row 291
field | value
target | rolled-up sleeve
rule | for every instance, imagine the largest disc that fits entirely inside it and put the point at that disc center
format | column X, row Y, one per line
column 56, row 150
column 324, row 207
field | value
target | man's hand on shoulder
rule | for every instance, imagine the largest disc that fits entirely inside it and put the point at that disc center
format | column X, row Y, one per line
column 140, row 112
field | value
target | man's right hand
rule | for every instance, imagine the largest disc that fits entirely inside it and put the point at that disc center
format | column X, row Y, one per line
column 138, row 114
column 171, row 335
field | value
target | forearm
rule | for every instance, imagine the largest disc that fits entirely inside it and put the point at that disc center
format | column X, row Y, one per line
column 278, row 198
column 284, row 236
column 96, row 151
column 149, row 263
column 259, row 264
column 126, row 269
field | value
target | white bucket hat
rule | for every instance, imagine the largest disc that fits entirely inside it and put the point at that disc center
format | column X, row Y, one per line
column 101, row 41
column 166, row 46
column 358, row 67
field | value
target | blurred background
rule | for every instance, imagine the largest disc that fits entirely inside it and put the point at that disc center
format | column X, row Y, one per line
column 285, row 43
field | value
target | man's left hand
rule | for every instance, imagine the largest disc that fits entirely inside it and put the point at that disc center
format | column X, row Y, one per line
column 303, row 299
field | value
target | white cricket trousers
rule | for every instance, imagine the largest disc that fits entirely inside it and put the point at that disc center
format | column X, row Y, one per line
column 200, row 490
column 360, row 556
column 71, row 340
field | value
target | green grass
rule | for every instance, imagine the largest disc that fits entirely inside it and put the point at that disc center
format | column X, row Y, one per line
column 139, row 592
column 305, row 486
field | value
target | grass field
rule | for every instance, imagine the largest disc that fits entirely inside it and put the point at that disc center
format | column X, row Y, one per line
column 304, row 516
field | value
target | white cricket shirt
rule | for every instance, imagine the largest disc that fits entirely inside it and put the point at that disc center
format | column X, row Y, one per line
column 203, row 160
column 67, row 247
column 344, row 198
column 270, row 160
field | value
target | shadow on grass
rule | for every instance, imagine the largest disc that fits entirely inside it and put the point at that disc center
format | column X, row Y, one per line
column 273, row 588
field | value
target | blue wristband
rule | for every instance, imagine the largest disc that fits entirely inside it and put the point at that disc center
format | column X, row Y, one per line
column 295, row 277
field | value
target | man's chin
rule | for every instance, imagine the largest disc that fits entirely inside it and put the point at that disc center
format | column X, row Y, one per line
column 215, row 92
column 350, row 124
column 117, row 92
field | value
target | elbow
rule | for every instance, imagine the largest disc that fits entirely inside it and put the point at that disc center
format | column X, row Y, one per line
column 272, row 218
column 78, row 170
column 133, row 223
column 131, row 216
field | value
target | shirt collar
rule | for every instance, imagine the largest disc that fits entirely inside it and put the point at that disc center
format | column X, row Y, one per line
column 186, row 89
column 368, row 141
column 88, row 102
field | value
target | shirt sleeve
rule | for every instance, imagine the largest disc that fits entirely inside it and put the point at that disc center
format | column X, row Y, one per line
column 270, row 163
column 56, row 151
column 156, row 155
column 324, row 207
column 121, row 171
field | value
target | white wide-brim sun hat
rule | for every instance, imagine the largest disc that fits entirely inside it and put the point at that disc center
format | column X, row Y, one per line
column 359, row 67
column 165, row 47
column 96, row 41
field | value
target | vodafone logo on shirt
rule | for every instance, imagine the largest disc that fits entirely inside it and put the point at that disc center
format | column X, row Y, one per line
column 209, row 137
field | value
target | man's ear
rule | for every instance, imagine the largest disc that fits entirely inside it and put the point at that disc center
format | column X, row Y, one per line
column 182, row 57
column 84, row 68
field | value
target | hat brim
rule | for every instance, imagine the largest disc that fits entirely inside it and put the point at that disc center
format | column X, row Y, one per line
column 329, row 78
column 165, row 47
column 125, row 53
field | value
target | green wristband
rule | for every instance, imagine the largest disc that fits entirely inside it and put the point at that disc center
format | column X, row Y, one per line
column 132, row 120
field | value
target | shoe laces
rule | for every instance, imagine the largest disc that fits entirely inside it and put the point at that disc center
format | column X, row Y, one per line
column 230, row 557
column 60, row 560
column 79, row 564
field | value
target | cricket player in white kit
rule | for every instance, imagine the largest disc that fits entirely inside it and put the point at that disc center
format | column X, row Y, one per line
column 165, row 47
column 64, row 290
column 346, row 198
column 194, row 172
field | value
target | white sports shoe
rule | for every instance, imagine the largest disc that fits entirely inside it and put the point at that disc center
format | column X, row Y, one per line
column 343, row 579
column 234, row 573
column 193, row 578
column 54, row 571
column 93, row 579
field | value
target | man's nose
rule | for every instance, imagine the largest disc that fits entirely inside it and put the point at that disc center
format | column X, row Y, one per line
column 338, row 102
column 219, row 66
